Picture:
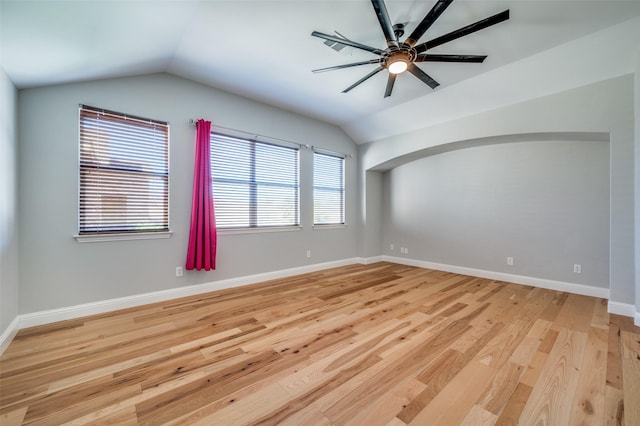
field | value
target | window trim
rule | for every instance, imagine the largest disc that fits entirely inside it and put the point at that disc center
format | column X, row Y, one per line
column 122, row 235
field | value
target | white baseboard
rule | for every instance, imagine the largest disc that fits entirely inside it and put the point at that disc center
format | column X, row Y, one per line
column 585, row 290
column 370, row 260
column 623, row 309
column 8, row 334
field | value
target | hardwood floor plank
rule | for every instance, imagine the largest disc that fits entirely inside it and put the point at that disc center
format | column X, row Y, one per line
column 525, row 351
column 479, row 417
column 422, row 328
column 396, row 422
column 501, row 388
column 440, row 373
column 120, row 413
column 553, row 309
column 380, row 344
column 311, row 415
column 510, row 416
column 498, row 351
column 532, row 374
column 315, row 381
column 576, row 313
column 195, row 395
column 555, row 388
column 614, row 357
column 61, row 411
column 589, row 402
column 14, row 368
column 374, row 388
column 243, row 411
column 549, row 341
column 365, row 347
column 631, row 374
column 600, row 317
column 613, row 406
column 451, row 405
column 385, row 408
column 14, row 417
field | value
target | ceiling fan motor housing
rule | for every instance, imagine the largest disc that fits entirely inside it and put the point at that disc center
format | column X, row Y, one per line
column 398, row 54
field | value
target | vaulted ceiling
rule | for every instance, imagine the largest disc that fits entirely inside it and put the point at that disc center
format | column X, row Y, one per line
column 264, row 50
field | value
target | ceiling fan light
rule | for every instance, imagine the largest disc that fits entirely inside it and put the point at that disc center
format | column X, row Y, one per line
column 398, row 66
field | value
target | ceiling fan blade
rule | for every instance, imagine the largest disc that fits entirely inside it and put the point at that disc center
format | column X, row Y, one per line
column 425, row 57
column 385, row 22
column 355, row 64
column 390, row 82
column 363, row 79
column 471, row 28
column 347, row 42
column 427, row 21
column 426, row 78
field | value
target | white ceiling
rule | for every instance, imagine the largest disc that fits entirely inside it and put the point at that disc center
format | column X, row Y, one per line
column 263, row 49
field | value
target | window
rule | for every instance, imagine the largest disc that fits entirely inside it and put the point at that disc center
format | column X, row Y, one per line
column 255, row 184
column 328, row 189
column 124, row 173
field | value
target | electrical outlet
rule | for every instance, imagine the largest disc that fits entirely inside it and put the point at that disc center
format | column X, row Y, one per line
column 179, row 271
column 577, row 268
column 509, row 260
column 406, row 250
column 392, row 247
column 308, row 254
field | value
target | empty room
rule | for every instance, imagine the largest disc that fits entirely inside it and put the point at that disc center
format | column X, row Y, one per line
column 306, row 212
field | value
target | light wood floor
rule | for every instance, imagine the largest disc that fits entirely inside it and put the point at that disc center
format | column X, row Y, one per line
column 382, row 344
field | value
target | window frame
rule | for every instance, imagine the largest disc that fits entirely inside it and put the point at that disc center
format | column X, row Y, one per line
column 162, row 173
column 342, row 190
column 254, row 185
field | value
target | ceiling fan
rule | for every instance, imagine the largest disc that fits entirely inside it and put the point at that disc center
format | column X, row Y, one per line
column 400, row 56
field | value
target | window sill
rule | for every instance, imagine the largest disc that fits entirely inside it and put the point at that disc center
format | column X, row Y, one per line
column 96, row 238
column 333, row 226
column 229, row 231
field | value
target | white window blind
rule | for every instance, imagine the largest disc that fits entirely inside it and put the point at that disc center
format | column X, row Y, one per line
column 255, row 184
column 124, row 173
column 328, row 189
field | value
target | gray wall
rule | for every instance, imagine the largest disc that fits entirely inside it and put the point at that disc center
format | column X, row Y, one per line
column 8, row 203
column 544, row 203
column 56, row 271
column 371, row 214
column 603, row 107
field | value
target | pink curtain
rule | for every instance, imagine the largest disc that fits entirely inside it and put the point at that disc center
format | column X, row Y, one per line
column 201, row 253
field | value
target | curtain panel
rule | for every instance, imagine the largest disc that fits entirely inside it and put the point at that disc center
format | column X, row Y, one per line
column 201, row 253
